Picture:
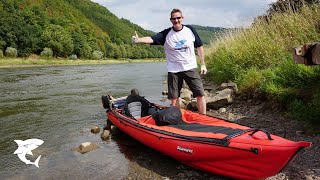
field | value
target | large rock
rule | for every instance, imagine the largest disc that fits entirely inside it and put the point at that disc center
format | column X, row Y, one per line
column 221, row 99
column 87, row 147
column 185, row 94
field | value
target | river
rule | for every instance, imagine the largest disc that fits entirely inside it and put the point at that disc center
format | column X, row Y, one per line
column 59, row 104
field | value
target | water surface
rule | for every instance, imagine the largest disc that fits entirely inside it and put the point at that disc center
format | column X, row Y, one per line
column 59, row 104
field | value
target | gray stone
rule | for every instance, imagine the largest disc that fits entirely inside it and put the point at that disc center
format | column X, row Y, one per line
column 192, row 105
column 221, row 99
column 229, row 85
column 185, row 94
column 95, row 130
column 183, row 103
column 105, row 135
column 232, row 117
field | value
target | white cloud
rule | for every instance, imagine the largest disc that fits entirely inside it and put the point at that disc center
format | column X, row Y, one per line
column 154, row 15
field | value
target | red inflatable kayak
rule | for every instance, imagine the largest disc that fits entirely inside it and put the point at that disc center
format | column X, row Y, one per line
column 211, row 144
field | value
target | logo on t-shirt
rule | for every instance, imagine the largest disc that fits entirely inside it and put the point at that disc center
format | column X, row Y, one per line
column 180, row 46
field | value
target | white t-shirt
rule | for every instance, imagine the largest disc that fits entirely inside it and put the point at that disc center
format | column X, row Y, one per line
column 179, row 47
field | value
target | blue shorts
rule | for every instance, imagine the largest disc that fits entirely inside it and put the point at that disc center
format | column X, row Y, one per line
column 191, row 77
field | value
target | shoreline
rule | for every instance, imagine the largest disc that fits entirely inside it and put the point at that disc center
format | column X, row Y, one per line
column 21, row 63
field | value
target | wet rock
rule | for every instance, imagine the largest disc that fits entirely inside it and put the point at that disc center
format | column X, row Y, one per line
column 115, row 131
column 95, row 130
column 105, row 135
column 164, row 93
column 87, row 147
column 113, row 128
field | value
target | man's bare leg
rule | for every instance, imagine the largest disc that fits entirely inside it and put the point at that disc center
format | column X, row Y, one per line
column 201, row 104
column 175, row 102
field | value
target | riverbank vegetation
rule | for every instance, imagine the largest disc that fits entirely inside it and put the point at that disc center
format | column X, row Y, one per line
column 260, row 59
column 21, row 62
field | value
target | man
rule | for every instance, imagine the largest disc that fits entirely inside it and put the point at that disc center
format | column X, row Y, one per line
column 179, row 42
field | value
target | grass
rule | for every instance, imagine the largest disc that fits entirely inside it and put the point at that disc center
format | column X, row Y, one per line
column 260, row 59
column 20, row 62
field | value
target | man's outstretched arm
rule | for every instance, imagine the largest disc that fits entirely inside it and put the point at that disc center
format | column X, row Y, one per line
column 144, row 40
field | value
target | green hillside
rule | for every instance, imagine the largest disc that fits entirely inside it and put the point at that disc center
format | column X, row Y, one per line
column 209, row 34
column 74, row 27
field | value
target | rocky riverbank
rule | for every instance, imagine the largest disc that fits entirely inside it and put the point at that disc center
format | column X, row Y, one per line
column 261, row 114
column 266, row 115
column 148, row 164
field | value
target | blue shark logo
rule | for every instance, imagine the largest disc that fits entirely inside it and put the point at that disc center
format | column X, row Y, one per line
column 25, row 147
column 179, row 45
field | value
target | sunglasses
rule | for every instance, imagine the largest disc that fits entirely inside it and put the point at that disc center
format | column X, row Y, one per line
column 175, row 18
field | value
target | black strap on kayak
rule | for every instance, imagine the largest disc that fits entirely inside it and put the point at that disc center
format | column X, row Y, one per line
column 248, row 130
column 266, row 132
column 196, row 127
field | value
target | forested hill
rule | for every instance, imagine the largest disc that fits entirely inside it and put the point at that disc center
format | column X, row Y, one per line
column 69, row 27
column 207, row 33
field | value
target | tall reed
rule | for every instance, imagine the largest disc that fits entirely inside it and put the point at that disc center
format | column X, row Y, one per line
column 260, row 57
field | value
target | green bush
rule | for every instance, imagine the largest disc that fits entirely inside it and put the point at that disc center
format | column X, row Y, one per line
column 11, row 52
column 97, row 54
column 73, row 57
column 249, row 80
column 289, row 74
column 307, row 111
column 47, row 53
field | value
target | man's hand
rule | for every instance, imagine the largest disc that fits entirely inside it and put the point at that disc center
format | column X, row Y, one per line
column 135, row 38
column 203, row 69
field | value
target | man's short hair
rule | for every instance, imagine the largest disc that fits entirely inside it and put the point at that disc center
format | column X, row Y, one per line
column 176, row 10
column 134, row 92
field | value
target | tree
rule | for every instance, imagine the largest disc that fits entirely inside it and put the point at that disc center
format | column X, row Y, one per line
column 123, row 51
column 58, row 39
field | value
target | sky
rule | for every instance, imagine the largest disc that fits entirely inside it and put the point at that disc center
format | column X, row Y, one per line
column 154, row 14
